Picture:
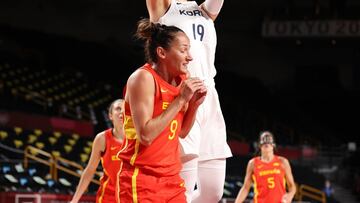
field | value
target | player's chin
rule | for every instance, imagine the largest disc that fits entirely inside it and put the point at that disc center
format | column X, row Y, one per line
column 184, row 69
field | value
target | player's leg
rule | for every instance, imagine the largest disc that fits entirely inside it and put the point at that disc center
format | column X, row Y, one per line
column 189, row 158
column 189, row 174
column 210, row 185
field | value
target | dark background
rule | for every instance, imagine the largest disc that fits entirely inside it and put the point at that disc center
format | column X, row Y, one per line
column 304, row 88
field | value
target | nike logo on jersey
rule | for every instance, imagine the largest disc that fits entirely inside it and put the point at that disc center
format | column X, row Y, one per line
column 260, row 166
column 276, row 164
column 113, row 148
column 162, row 90
column 191, row 13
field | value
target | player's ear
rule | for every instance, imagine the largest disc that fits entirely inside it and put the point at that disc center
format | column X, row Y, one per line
column 160, row 52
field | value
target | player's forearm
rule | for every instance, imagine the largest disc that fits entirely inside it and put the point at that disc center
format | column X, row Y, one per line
column 292, row 190
column 155, row 126
column 188, row 122
column 83, row 184
column 242, row 195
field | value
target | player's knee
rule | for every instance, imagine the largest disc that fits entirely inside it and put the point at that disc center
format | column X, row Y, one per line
column 217, row 195
column 213, row 194
column 188, row 196
column 209, row 198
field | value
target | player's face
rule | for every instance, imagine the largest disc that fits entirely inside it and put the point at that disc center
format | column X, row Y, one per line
column 116, row 114
column 267, row 148
column 267, row 143
column 178, row 55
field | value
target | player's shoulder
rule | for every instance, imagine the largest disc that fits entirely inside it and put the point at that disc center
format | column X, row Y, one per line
column 99, row 141
column 100, row 136
column 140, row 75
column 283, row 160
column 252, row 161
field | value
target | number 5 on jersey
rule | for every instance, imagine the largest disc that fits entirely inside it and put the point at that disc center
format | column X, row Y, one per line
column 271, row 182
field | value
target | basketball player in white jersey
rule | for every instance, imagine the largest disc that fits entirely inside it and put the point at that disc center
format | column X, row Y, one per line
column 204, row 150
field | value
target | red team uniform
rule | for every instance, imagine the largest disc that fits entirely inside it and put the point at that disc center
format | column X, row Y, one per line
column 269, row 181
column 111, row 164
column 151, row 173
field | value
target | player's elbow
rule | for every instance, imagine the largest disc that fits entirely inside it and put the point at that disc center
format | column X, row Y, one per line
column 88, row 172
column 292, row 188
column 184, row 131
column 246, row 187
column 145, row 140
column 182, row 135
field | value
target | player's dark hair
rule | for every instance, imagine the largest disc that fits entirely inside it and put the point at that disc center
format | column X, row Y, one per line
column 155, row 35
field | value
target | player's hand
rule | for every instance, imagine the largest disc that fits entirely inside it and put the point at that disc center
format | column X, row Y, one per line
column 286, row 198
column 198, row 97
column 191, row 86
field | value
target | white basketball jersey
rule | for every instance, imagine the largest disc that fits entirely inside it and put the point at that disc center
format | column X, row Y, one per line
column 201, row 31
column 207, row 138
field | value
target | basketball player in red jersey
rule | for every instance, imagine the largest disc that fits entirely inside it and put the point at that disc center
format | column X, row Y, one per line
column 105, row 147
column 160, row 107
column 270, row 175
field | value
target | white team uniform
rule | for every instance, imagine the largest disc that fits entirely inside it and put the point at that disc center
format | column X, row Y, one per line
column 207, row 138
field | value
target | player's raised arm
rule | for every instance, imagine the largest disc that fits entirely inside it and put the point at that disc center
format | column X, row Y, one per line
column 157, row 8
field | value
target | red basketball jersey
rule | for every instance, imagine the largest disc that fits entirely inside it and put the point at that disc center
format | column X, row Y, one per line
column 111, row 165
column 269, row 181
column 162, row 157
